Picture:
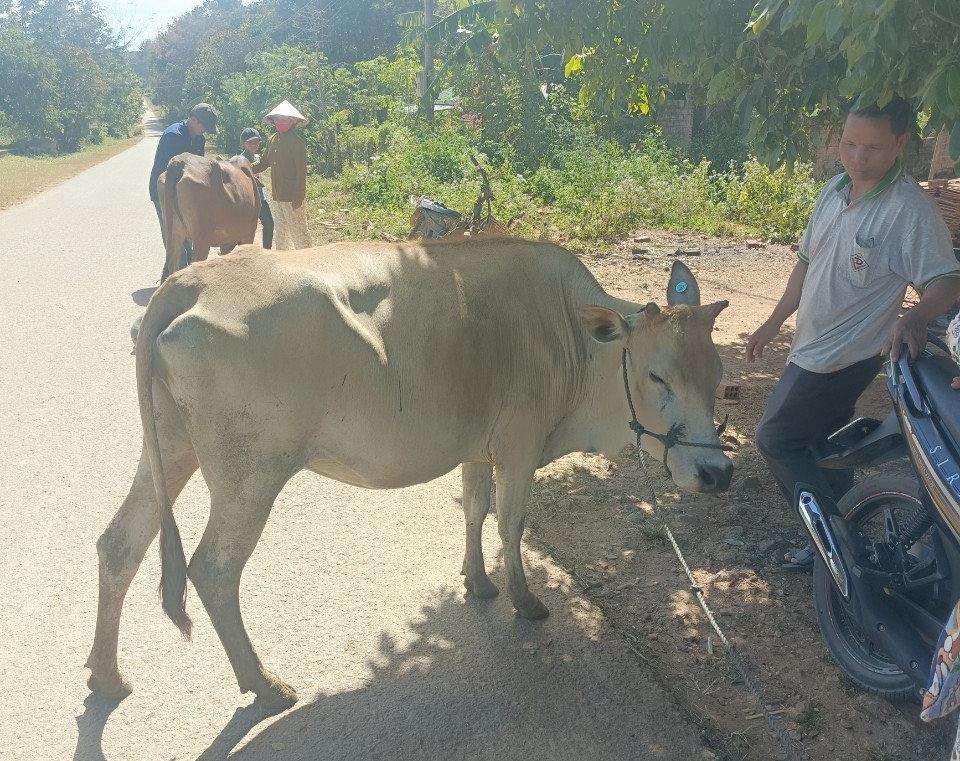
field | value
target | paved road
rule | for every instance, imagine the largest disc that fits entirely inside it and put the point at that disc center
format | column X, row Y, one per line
column 352, row 596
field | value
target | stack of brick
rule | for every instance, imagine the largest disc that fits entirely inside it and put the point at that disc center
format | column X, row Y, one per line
column 946, row 195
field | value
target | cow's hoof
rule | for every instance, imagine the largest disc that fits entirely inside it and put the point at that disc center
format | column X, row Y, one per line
column 482, row 587
column 111, row 686
column 531, row 608
column 275, row 695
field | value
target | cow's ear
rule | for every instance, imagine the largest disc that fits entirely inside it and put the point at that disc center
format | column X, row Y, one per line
column 714, row 310
column 605, row 325
column 682, row 288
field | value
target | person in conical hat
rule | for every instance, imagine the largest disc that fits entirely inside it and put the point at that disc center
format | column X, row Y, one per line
column 286, row 158
column 286, row 111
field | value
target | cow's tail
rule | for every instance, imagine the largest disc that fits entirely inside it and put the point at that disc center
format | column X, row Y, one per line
column 174, row 173
column 171, row 300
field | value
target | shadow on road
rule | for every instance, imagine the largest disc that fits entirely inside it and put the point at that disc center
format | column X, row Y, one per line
column 153, row 125
column 243, row 720
column 90, row 726
column 141, row 297
column 471, row 685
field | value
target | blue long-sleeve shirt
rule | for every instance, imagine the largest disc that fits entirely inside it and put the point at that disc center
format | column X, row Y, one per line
column 176, row 139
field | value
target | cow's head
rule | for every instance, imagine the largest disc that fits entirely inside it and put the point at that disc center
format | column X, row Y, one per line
column 673, row 370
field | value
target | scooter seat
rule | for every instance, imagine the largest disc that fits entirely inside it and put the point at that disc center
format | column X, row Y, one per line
column 934, row 373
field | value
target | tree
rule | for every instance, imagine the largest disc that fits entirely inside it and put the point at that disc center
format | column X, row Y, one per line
column 64, row 76
column 504, row 42
column 203, row 46
column 29, row 95
column 783, row 66
column 221, row 54
column 865, row 51
column 346, row 32
column 55, row 23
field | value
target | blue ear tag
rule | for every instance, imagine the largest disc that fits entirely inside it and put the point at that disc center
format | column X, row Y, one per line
column 680, row 287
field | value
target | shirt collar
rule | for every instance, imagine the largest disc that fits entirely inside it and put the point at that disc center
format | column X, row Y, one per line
column 888, row 179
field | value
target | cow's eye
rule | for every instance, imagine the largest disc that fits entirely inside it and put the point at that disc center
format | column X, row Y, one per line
column 657, row 379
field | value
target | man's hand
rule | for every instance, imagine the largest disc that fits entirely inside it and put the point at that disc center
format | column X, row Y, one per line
column 911, row 329
column 763, row 335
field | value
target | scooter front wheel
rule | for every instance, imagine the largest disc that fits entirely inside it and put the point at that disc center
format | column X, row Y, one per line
column 867, row 667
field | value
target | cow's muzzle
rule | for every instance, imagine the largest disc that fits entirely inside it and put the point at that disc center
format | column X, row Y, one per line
column 714, row 478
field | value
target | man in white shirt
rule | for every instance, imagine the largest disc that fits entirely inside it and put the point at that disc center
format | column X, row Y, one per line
column 872, row 233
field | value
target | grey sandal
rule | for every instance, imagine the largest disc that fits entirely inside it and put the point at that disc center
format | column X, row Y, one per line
column 799, row 559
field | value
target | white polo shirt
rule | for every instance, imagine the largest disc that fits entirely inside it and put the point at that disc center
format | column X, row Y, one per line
column 861, row 256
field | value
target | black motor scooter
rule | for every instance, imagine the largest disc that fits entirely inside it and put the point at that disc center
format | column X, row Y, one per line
column 888, row 572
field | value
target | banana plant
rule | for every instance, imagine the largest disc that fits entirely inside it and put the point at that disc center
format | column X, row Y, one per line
column 474, row 29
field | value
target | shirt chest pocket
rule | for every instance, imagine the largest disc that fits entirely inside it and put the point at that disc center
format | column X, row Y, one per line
column 867, row 261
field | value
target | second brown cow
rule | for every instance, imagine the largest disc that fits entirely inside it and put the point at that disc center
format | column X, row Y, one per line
column 209, row 202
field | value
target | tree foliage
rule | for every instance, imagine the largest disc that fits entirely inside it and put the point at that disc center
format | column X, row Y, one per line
column 345, row 106
column 773, row 70
column 29, row 96
column 866, row 51
column 346, row 32
column 781, row 66
column 64, row 75
column 188, row 61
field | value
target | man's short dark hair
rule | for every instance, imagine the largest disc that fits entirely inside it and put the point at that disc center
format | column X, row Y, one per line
column 206, row 115
column 898, row 111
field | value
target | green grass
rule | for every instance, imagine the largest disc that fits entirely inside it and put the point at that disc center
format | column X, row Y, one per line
column 24, row 176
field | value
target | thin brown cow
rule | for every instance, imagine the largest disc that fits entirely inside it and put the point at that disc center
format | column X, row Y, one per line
column 209, row 202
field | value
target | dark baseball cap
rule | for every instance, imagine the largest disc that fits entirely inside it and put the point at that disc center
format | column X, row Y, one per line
column 249, row 134
column 206, row 115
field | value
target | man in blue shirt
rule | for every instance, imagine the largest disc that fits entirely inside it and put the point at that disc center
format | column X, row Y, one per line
column 181, row 137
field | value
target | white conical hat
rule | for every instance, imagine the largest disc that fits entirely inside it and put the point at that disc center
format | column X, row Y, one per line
column 286, row 109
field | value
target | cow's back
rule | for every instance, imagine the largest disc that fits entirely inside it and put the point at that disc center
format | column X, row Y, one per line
column 218, row 201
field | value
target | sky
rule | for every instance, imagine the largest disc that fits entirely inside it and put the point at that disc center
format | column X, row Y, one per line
column 139, row 20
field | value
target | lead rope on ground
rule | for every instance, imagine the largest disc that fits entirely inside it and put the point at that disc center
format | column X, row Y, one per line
column 734, row 659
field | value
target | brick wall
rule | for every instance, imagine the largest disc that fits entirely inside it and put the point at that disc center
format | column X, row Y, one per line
column 675, row 118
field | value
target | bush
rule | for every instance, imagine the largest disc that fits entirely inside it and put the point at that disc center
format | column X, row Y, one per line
column 718, row 139
column 776, row 203
column 590, row 189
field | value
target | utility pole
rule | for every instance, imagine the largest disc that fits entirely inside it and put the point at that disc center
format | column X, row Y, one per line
column 426, row 97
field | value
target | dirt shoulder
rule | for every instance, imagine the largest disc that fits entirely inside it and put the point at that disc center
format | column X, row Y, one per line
column 24, row 176
column 582, row 513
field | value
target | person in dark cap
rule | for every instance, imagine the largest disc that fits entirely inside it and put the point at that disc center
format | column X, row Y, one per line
column 250, row 141
column 181, row 137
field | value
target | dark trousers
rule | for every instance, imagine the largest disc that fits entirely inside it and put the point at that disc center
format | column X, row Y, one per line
column 803, row 410
column 187, row 245
column 266, row 219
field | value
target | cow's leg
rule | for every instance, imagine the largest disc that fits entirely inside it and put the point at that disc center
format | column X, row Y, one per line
column 175, row 244
column 200, row 252
column 122, row 546
column 477, row 478
column 237, row 518
column 513, row 488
